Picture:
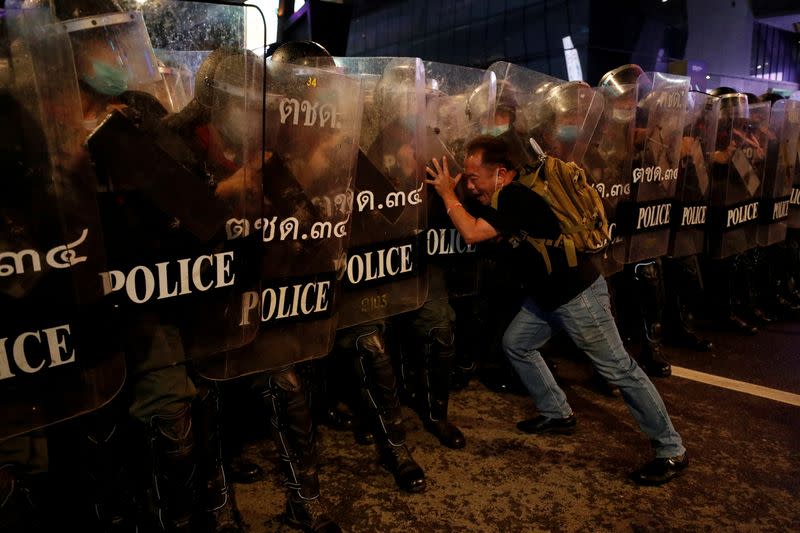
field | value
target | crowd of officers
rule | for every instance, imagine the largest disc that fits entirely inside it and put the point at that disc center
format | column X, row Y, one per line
column 163, row 453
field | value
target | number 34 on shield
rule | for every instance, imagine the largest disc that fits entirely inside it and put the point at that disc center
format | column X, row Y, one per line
column 312, row 82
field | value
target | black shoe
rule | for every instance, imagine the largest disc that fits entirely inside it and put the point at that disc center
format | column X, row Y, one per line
column 657, row 368
column 447, row 433
column 693, row 341
column 407, row 473
column 309, row 515
column 244, row 472
column 762, row 316
column 503, row 381
column 363, row 437
column 787, row 305
column 741, row 325
column 659, row 471
column 543, row 424
column 460, row 376
column 336, row 418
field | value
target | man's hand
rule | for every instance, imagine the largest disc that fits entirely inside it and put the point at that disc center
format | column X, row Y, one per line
column 442, row 182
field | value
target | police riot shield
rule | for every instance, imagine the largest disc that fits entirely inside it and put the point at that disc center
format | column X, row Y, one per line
column 608, row 159
column 171, row 183
column 565, row 120
column 690, row 208
column 654, row 175
column 737, row 175
column 520, row 91
column 794, row 198
column 779, row 170
column 385, row 273
column 459, row 106
column 59, row 355
column 313, row 124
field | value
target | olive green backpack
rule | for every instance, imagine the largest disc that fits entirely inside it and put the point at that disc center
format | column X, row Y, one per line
column 576, row 204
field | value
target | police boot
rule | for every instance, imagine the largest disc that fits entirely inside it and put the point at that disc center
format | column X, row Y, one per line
column 218, row 509
column 18, row 510
column 171, row 441
column 105, row 464
column 439, row 355
column 324, row 405
column 650, row 286
column 293, row 432
column 685, row 335
column 379, row 395
column 684, row 285
column 735, row 319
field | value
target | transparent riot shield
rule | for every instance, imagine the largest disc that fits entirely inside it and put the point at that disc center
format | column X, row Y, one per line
column 59, row 354
column 608, row 160
column 654, row 175
column 737, row 175
column 172, row 185
column 385, row 273
column 520, row 93
column 566, row 118
column 459, row 106
column 779, row 171
column 690, row 208
column 313, row 124
column 794, row 199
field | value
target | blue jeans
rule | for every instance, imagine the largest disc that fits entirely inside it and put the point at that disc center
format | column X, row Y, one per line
column 587, row 319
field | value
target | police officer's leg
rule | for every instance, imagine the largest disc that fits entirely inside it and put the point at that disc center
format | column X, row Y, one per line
column 162, row 396
column 323, row 396
column 470, row 327
column 217, row 498
column 649, row 282
column 684, row 285
column 23, row 484
column 734, row 277
column 107, row 450
column 380, row 403
column 432, row 331
column 295, row 438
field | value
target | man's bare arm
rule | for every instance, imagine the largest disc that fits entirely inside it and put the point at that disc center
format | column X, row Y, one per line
column 472, row 230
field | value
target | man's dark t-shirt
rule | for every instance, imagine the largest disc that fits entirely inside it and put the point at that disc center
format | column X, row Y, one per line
column 521, row 211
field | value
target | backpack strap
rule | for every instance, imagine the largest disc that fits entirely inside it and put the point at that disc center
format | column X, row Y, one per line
column 563, row 241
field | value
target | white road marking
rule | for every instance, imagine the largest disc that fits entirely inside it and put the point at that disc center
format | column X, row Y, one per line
column 739, row 386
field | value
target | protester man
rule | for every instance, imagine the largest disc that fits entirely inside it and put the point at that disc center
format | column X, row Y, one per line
column 574, row 299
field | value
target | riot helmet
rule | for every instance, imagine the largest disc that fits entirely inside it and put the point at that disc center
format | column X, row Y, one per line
column 719, row 91
column 734, row 105
column 111, row 47
column 303, row 53
column 619, row 80
column 770, row 97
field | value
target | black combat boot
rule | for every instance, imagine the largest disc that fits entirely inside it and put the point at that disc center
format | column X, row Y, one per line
column 20, row 497
column 105, row 465
column 379, row 395
column 295, row 438
column 439, row 355
column 650, row 285
column 218, row 510
column 171, row 440
column 684, row 287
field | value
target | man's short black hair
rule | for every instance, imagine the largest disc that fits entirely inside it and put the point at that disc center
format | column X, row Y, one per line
column 495, row 151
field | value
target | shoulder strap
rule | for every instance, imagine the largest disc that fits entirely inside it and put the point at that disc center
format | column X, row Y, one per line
column 527, row 177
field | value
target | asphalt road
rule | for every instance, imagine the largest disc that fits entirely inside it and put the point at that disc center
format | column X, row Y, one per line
column 744, row 451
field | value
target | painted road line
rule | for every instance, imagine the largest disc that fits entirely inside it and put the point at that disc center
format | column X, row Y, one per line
column 739, row 386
